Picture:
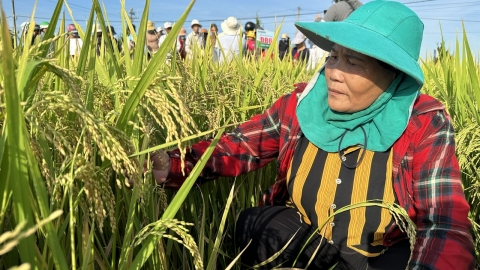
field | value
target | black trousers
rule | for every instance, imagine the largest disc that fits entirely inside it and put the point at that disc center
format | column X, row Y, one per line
column 271, row 227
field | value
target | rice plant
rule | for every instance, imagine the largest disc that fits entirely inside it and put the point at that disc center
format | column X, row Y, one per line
column 76, row 132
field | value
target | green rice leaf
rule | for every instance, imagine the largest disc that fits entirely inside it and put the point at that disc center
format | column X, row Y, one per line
column 14, row 151
column 155, row 64
column 127, row 245
column 216, row 246
column 51, row 28
column 42, row 200
column 176, row 142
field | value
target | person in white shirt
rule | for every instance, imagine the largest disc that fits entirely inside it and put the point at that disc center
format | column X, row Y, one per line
column 230, row 41
column 194, row 38
column 76, row 42
column 167, row 27
column 317, row 56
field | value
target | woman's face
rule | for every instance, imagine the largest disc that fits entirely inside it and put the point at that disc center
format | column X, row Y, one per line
column 354, row 80
column 195, row 28
column 213, row 30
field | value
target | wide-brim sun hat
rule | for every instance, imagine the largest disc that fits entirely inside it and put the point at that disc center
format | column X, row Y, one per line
column 195, row 22
column 24, row 25
column 230, row 26
column 385, row 30
column 299, row 38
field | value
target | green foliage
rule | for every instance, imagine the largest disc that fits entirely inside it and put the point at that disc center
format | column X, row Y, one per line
column 76, row 131
column 258, row 22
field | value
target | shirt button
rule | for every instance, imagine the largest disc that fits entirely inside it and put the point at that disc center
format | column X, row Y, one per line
column 338, row 181
column 333, row 206
column 344, row 158
column 331, row 242
column 332, row 224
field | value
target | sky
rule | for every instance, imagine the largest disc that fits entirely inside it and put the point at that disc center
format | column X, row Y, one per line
column 437, row 15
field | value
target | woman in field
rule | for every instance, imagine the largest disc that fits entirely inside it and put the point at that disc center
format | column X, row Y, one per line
column 359, row 130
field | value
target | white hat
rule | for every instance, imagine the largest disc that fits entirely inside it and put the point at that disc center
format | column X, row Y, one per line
column 167, row 25
column 24, row 24
column 159, row 29
column 195, row 22
column 230, row 26
column 299, row 38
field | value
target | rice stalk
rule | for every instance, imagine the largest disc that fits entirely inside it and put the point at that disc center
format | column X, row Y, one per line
column 160, row 227
column 9, row 240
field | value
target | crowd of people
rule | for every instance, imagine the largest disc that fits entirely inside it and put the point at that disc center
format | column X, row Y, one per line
column 228, row 43
column 225, row 45
column 233, row 39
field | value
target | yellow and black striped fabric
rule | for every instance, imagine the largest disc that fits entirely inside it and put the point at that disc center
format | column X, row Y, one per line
column 319, row 184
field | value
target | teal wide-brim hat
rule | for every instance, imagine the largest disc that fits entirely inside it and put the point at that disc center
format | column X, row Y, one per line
column 385, row 30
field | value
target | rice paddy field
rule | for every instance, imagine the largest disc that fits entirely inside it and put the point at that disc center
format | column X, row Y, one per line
column 75, row 132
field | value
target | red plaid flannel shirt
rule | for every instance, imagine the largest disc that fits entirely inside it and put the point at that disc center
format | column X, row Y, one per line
column 426, row 174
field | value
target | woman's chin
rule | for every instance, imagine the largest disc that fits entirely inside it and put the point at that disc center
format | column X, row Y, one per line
column 337, row 106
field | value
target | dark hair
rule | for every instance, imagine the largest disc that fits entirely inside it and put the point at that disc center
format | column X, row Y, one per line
column 112, row 29
column 214, row 25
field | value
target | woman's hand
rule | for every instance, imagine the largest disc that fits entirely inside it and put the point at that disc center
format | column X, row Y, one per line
column 160, row 161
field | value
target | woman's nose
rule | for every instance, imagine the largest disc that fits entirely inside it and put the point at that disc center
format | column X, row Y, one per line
column 335, row 74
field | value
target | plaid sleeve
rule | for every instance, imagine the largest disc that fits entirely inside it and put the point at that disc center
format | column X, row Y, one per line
column 250, row 146
column 443, row 237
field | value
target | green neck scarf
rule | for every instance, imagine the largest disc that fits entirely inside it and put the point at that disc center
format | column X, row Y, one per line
column 383, row 122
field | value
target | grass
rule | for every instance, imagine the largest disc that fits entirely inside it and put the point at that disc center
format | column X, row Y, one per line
column 73, row 128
